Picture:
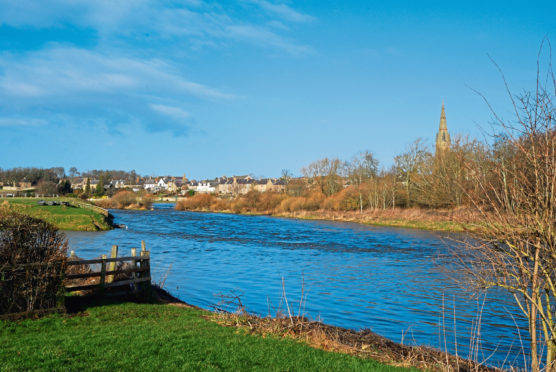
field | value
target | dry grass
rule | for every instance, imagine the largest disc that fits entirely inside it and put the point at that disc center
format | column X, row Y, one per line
column 364, row 343
column 457, row 219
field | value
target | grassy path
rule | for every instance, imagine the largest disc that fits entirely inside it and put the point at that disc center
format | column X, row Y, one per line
column 150, row 337
column 62, row 217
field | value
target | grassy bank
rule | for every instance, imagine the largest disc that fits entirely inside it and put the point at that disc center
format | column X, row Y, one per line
column 130, row 336
column 62, row 217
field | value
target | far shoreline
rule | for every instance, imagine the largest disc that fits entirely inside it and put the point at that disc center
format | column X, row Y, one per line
column 369, row 218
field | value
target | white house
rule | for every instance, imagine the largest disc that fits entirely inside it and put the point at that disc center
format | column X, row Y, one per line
column 150, row 185
column 205, row 187
column 162, row 184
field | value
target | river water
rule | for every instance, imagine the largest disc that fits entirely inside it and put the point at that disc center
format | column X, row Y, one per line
column 396, row 282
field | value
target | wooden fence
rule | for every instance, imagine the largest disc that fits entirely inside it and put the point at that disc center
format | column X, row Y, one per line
column 136, row 274
column 80, row 204
column 133, row 275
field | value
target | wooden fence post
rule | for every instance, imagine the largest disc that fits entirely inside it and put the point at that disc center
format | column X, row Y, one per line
column 112, row 265
column 61, row 293
column 102, row 273
column 134, row 263
column 146, row 263
column 143, row 246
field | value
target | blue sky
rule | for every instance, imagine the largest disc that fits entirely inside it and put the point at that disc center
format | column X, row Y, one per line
column 251, row 86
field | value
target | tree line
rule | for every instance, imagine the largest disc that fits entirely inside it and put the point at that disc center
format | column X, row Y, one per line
column 55, row 180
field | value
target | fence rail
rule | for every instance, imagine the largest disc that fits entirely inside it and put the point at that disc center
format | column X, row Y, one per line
column 133, row 275
column 80, row 204
column 137, row 274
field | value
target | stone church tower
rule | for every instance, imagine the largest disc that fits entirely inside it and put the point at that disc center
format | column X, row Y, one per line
column 442, row 137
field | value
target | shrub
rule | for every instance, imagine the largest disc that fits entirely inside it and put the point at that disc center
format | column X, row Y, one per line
column 314, row 201
column 127, row 199
column 269, row 201
column 146, row 201
column 220, row 205
column 32, row 263
column 123, row 199
column 196, row 202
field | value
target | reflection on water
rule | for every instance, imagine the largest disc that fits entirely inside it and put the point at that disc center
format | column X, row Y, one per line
column 393, row 281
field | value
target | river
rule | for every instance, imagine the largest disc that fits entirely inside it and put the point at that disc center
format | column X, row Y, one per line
column 397, row 282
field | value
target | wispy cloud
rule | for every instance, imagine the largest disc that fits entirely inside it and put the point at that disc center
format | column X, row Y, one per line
column 64, row 71
column 89, row 86
column 22, row 122
column 282, row 10
column 194, row 22
column 133, row 72
column 171, row 111
column 267, row 39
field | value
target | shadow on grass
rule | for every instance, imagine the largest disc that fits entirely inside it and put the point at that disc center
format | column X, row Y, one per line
column 80, row 303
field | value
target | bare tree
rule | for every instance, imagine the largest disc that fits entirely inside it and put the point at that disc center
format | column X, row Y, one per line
column 73, row 172
column 326, row 174
column 286, row 176
column 46, row 188
column 361, row 168
column 409, row 167
column 516, row 195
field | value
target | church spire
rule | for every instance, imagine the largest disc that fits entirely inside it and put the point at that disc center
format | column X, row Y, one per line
column 443, row 125
column 442, row 137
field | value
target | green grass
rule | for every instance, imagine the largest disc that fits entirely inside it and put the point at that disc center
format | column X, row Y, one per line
column 151, row 337
column 64, row 218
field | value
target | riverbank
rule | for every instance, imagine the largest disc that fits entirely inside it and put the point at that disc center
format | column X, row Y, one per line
column 63, row 217
column 116, row 335
column 446, row 220
column 364, row 344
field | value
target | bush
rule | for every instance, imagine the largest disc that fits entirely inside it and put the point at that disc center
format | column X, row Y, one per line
column 269, row 201
column 123, row 199
column 314, row 201
column 32, row 263
column 127, row 199
column 196, row 202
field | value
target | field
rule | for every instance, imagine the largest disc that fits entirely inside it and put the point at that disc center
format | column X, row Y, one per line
column 63, row 217
column 131, row 336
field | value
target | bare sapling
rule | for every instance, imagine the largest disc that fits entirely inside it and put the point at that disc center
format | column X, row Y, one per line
column 515, row 193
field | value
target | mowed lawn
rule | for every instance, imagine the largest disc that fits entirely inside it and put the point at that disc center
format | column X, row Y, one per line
column 63, row 217
column 150, row 337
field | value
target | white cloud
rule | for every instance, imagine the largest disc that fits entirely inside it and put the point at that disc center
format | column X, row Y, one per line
column 282, row 10
column 171, row 111
column 265, row 38
column 134, row 73
column 63, row 71
column 75, row 86
column 22, row 122
column 195, row 22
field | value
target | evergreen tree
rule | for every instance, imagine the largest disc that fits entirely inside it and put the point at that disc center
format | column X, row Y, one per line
column 88, row 187
column 100, row 187
column 64, row 187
